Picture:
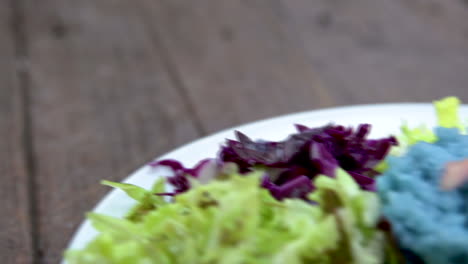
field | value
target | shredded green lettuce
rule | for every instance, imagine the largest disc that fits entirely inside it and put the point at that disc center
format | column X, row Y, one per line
column 447, row 113
column 235, row 221
column 356, row 213
column 146, row 199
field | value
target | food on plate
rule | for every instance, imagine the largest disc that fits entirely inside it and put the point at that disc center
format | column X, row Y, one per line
column 232, row 220
column 429, row 214
column 323, row 195
column 291, row 165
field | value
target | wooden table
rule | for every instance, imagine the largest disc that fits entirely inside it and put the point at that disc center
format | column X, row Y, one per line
column 93, row 89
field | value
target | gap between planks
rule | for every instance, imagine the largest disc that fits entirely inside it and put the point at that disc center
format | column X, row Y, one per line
column 22, row 73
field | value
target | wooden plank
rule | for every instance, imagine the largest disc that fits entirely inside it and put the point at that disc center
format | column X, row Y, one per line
column 238, row 62
column 103, row 103
column 383, row 51
column 15, row 225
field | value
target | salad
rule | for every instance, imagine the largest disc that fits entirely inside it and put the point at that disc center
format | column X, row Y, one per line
column 323, row 195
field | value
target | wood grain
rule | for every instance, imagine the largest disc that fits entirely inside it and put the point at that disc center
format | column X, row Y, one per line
column 15, row 228
column 385, row 51
column 92, row 89
column 238, row 62
column 103, row 103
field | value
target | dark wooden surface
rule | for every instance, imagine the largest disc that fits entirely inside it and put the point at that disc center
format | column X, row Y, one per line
column 92, row 89
column 16, row 243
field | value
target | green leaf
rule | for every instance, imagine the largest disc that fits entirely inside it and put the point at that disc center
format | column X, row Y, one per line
column 233, row 220
column 447, row 110
column 135, row 192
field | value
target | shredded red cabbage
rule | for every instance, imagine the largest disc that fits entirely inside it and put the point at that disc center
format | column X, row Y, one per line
column 204, row 170
column 291, row 164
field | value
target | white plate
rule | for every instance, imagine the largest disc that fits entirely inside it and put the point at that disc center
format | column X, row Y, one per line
column 385, row 118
